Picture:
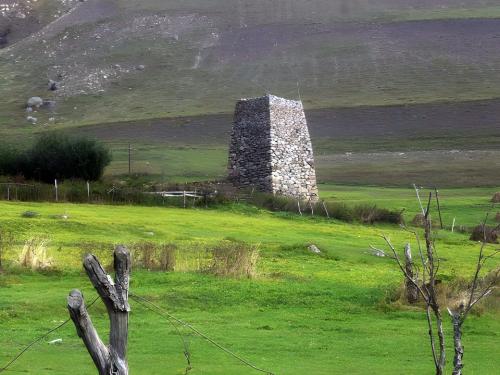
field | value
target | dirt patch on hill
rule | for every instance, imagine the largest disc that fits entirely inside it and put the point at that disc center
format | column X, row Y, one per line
column 347, row 126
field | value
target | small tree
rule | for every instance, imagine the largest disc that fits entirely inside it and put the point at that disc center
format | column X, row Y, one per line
column 425, row 285
column 427, row 289
column 58, row 156
column 479, row 289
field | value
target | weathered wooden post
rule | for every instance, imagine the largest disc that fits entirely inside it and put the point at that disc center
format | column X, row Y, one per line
column 112, row 359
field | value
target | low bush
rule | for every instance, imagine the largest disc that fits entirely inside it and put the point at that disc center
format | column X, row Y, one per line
column 30, row 214
column 234, row 258
column 372, row 214
column 485, row 233
column 340, row 211
column 496, row 198
column 153, row 256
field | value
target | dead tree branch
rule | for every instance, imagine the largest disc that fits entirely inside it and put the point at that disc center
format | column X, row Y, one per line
column 476, row 293
column 112, row 359
column 427, row 288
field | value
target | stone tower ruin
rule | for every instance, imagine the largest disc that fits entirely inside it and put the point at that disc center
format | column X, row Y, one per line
column 271, row 149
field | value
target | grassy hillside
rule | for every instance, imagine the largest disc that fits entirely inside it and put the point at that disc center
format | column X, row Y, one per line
column 304, row 313
column 447, row 145
column 378, row 79
column 199, row 57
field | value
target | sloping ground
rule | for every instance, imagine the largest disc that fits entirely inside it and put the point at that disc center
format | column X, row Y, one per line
column 447, row 144
column 361, row 68
column 445, row 126
column 304, row 313
column 199, row 58
column 20, row 19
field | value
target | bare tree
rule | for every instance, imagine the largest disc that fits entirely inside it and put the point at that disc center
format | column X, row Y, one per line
column 427, row 288
column 110, row 359
column 478, row 290
column 423, row 282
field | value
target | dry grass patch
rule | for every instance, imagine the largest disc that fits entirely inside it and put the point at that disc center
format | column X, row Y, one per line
column 235, row 259
column 34, row 254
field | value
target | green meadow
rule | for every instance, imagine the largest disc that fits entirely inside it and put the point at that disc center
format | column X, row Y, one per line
column 304, row 313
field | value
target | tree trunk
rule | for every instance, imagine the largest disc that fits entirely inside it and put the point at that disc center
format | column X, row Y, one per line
column 442, row 348
column 410, row 286
column 111, row 360
column 457, row 340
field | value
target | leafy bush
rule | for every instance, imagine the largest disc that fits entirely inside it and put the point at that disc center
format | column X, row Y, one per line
column 365, row 214
column 372, row 214
column 338, row 211
column 10, row 161
column 57, row 156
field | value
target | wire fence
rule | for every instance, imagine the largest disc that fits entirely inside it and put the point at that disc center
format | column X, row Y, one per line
column 162, row 312
column 99, row 193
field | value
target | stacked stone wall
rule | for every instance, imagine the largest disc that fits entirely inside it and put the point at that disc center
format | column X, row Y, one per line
column 250, row 149
column 271, row 149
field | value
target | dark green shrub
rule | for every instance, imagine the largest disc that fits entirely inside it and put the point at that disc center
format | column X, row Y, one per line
column 58, row 156
column 372, row 214
column 10, row 161
column 337, row 211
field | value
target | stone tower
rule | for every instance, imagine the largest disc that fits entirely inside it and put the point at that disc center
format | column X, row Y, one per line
column 271, row 149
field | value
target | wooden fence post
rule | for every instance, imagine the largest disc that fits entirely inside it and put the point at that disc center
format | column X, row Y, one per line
column 110, row 359
column 298, row 205
column 439, row 208
column 326, row 210
column 57, row 194
column 88, row 191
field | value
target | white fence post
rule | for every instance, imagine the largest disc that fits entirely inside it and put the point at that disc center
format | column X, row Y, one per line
column 56, row 188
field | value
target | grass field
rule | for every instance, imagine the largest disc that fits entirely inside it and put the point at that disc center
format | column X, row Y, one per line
column 304, row 313
column 396, row 92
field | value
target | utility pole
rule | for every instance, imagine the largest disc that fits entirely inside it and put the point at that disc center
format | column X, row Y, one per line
column 129, row 159
column 439, row 207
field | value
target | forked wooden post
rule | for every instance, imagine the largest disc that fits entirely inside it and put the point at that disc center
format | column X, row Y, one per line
column 110, row 359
